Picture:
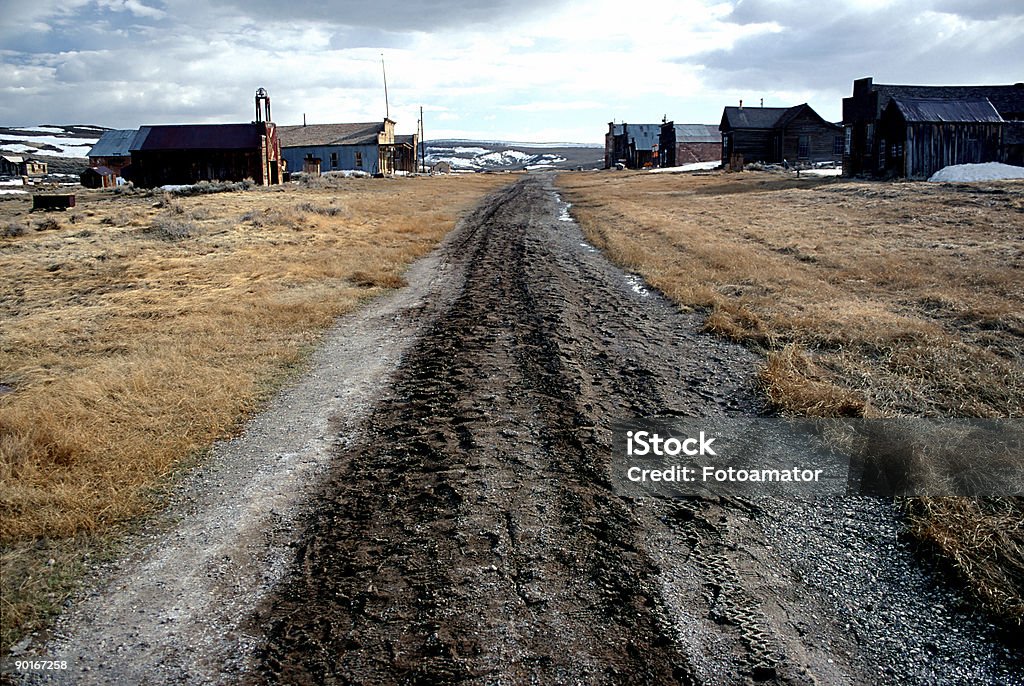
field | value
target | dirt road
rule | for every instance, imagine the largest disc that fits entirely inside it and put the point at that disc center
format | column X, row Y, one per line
column 463, row 527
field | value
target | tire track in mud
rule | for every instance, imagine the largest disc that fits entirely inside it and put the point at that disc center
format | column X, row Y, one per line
column 472, row 534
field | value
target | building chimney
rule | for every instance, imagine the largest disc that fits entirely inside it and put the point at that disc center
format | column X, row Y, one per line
column 303, row 118
column 762, row 102
column 741, row 103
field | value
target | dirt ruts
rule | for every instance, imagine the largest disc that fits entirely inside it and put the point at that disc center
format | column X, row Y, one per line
column 472, row 534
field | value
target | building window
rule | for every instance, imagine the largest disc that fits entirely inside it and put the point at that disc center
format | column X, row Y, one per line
column 838, row 145
column 804, row 150
column 334, row 160
column 849, row 140
column 359, row 159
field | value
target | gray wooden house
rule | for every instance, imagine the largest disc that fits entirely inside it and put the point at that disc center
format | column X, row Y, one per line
column 863, row 153
column 797, row 135
column 916, row 138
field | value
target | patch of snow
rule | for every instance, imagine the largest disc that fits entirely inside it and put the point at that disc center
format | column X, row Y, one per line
column 986, row 171
column 836, row 171
column 637, row 284
column 13, row 182
column 693, row 166
column 41, row 129
column 5, row 191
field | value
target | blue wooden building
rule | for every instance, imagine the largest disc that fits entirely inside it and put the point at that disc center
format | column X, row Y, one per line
column 368, row 147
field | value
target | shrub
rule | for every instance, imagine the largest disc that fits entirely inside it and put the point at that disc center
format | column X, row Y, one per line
column 12, row 229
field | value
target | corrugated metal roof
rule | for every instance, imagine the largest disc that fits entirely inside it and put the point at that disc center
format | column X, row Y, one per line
column 644, row 136
column 753, row 117
column 330, row 134
column 933, row 110
column 200, row 137
column 1006, row 99
column 114, row 143
column 698, row 133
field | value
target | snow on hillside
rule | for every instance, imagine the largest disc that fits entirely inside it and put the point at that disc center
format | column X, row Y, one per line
column 51, row 141
column 498, row 156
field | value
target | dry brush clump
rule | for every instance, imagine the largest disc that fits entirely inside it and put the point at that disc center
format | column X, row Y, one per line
column 867, row 300
column 121, row 357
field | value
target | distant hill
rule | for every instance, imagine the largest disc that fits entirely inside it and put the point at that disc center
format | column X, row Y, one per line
column 466, row 155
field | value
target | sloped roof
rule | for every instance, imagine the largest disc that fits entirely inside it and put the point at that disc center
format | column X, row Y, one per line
column 698, row 133
column 935, row 110
column 364, row 133
column 13, row 159
column 1006, row 99
column 752, row 117
column 405, row 138
column 114, row 143
column 200, row 137
column 100, row 170
column 644, row 136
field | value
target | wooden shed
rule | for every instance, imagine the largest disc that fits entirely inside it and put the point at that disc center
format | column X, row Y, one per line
column 98, row 177
column 862, row 113
column 916, row 137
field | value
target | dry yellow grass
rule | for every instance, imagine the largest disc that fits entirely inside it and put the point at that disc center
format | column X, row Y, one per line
column 867, row 299
column 135, row 330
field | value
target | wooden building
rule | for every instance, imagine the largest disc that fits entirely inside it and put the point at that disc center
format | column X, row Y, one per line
column 634, row 146
column 916, row 138
column 99, row 177
column 795, row 135
column 862, row 113
column 16, row 165
column 368, row 146
column 113, row 150
column 680, row 144
column 406, row 152
column 189, row 153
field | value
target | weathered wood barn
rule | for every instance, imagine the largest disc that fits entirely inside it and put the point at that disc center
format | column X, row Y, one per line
column 916, row 138
column 634, row 146
column 189, row 153
column 113, row 150
column 680, row 144
column 863, row 152
column 797, row 135
column 368, row 146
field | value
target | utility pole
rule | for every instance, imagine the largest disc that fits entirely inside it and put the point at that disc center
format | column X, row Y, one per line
column 387, row 114
column 423, row 153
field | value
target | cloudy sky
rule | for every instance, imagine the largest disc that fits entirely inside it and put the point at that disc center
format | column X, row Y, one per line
column 524, row 70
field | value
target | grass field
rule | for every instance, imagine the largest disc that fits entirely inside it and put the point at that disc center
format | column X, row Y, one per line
column 138, row 328
column 867, row 300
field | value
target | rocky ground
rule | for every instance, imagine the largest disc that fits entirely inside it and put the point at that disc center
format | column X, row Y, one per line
column 434, row 503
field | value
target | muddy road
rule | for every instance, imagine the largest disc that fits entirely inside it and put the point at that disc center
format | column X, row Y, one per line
column 462, row 527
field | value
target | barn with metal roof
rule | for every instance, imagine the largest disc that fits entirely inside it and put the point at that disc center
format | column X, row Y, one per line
column 917, row 137
column 862, row 113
